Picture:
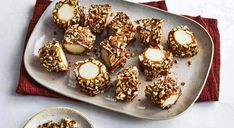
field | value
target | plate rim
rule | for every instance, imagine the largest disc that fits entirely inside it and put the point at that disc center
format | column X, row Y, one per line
column 59, row 109
column 113, row 109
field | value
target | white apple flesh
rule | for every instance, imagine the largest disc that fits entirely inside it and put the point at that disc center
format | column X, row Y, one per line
column 154, row 54
column 182, row 37
column 88, row 70
column 74, row 48
column 66, row 12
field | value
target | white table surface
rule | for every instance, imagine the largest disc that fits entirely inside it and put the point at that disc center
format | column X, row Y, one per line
column 17, row 109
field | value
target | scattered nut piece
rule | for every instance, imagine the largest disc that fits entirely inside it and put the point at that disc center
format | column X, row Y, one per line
column 189, row 63
column 55, row 33
column 182, row 83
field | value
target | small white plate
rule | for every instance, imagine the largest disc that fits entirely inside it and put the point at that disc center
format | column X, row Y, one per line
column 56, row 114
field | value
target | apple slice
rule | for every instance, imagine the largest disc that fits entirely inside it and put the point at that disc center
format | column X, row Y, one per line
column 164, row 91
column 92, row 76
column 182, row 37
column 154, row 54
column 181, row 42
column 170, row 101
column 113, row 52
column 78, row 40
column 67, row 13
column 52, row 57
column 155, row 61
column 89, row 70
column 74, row 48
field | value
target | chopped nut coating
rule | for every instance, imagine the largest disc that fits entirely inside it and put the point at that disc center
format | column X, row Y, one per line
column 52, row 57
column 92, row 76
column 155, row 61
column 78, row 40
column 113, row 52
column 127, row 84
column 164, row 92
column 150, row 31
column 68, row 12
column 122, row 25
column 98, row 17
column 181, row 42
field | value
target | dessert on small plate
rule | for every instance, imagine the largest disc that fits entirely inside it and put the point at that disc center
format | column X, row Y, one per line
column 68, row 12
column 122, row 25
column 98, row 17
column 150, row 31
column 113, row 52
column 164, row 91
column 64, row 123
column 78, row 40
column 59, row 117
column 181, row 42
column 92, row 76
column 127, row 84
column 52, row 57
column 155, row 61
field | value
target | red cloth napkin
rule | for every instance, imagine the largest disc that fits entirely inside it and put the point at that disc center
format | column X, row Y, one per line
column 28, row 86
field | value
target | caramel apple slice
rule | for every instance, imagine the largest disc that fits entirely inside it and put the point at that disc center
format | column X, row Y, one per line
column 78, row 40
column 98, row 17
column 92, row 76
column 127, row 84
column 122, row 25
column 113, row 52
column 52, row 57
column 164, row 92
column 150, row 31
column 155, row 61
column 181, row 42
column 68, row 12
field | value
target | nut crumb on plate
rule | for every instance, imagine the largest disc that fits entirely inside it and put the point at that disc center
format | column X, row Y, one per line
column 189, row 63
column 182, row 83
